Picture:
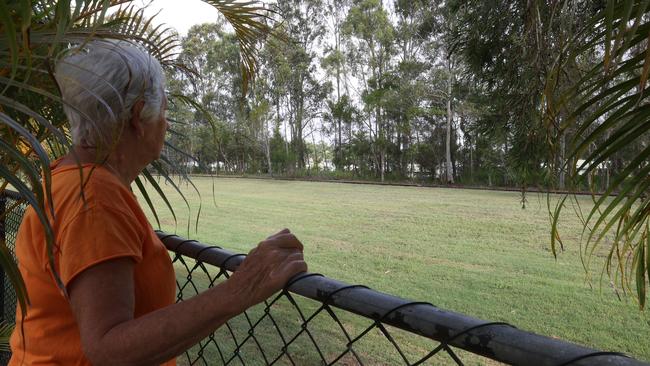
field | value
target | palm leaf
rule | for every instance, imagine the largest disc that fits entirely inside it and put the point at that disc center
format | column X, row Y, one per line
column 251, row 21
column 5, row 333
column 607, row 115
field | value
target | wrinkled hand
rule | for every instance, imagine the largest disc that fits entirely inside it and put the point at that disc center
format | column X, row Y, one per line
column 268, row 267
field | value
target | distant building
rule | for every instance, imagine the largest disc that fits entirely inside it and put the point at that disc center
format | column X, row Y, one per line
column 217, row 166
column 583, row 170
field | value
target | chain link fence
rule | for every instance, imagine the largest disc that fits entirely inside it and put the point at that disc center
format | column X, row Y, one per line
column 11, row 213
column 316, row 320
column 320, row 321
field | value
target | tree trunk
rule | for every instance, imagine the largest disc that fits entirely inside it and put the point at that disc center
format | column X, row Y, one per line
column 471, row 160
column 286, row 140
column 400, row 151
column 380, row 164
column 506, row 151
column 339, row 145
column 324, row 152
column 268, row 147
column 313, row 140
column 563, row 165
column 300, row 145
column 449, row 168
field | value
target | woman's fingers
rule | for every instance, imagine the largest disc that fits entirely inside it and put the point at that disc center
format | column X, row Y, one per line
column 272, row 263
column 291, row 265
column 286, row 240
column 283, row 231
column 292, row 256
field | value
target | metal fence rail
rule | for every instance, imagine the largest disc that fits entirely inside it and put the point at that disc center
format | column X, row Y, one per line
column 321, row 321
column 451, row 331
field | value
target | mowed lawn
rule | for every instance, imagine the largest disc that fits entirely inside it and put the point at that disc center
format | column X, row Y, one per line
column 468, row 251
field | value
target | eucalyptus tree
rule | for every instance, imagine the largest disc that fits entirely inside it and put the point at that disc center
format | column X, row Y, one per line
column 303, row 26
column 275, row 72
column 426, row 37
column 413, row 32
column 334, row 64
column 372, row 34
column 228, row 128
column 259, row 120
column 449, row 23
column 213, row 54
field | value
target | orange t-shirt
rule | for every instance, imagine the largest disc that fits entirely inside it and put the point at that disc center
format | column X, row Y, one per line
column 109, row 224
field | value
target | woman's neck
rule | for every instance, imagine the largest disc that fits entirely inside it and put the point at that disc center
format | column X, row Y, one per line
column 124, row 169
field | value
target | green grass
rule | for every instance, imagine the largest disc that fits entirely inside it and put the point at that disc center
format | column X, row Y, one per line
column 468, row 251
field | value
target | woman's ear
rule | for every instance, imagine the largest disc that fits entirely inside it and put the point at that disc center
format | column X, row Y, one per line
column 136, row 122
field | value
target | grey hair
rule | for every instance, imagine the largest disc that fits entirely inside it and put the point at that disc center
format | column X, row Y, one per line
column 100, row 83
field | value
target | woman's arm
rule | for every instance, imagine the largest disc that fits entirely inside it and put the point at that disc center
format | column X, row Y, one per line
column 102, row 300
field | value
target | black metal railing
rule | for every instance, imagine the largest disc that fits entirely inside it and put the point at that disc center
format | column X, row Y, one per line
column 316, row 320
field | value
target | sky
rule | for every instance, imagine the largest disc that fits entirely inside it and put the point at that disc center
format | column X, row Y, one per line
column 180, row 14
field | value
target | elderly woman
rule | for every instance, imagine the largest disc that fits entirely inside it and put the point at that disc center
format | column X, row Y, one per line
column 116, row 305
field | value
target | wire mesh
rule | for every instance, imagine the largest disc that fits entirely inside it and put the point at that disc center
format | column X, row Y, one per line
column 289, row 330
column 11, row 213
column 320, row 321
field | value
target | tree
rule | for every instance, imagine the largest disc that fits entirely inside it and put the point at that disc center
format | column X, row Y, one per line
column 334, row 63
column 304, row 27
column 413, row 33
column 368, row 22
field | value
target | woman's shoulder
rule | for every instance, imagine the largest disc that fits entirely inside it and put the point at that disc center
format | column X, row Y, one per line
column 99, row 196
column 88, row 186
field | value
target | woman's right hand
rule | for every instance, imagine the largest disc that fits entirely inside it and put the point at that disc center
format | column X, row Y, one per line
column 268, row 268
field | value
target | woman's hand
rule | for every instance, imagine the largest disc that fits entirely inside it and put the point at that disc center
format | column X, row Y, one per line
column 268, row 267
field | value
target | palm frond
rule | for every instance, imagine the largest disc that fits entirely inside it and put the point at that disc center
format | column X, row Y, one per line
column 161, row 41
column 5, row 333
column 32, row 123
column 607, row 116
column 252, row 21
